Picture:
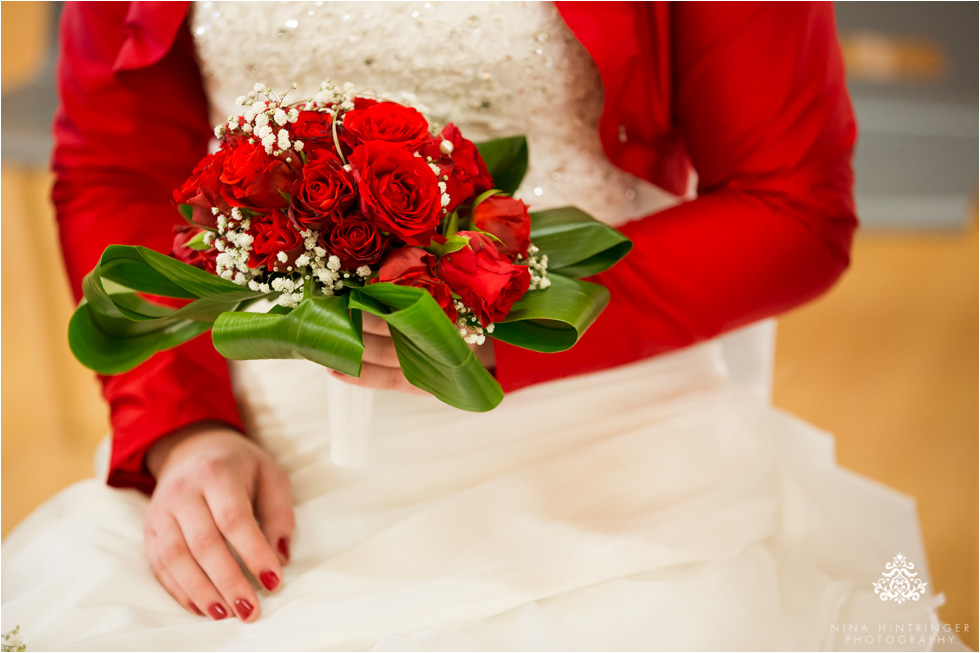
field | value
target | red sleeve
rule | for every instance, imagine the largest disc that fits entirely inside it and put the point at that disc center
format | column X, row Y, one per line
column 761, row 104
column 124, row 141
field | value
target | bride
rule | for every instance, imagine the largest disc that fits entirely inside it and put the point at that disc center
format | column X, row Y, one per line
column 632, row 493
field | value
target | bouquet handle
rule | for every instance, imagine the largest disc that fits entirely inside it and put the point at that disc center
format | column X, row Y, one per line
column 349, row 408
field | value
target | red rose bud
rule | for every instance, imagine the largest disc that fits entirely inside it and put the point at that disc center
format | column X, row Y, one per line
column 202, row 190
column 461, row 162
column 204, row 259
column 413, row 266
column 276, row 243
column 324, row 192
column 314, row 129
column 386, row 121
column 486, row 282
column 356, row 242
column 507, row 219
column 467, row 160
column 399, row 192
column 256, row 180
column 406, row 262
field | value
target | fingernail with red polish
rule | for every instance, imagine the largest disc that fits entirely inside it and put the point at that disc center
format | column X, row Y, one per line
column 269, row 580
column 218, row 611
column 244, row 608
column 284, row 548
column 197, row 610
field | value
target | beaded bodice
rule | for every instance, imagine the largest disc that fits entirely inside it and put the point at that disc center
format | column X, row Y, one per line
column 494, row 69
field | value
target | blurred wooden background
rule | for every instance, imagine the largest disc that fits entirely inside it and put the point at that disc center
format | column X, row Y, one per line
column 887, row 361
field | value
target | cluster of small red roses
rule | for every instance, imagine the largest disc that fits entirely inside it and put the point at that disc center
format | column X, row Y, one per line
column 342, row 189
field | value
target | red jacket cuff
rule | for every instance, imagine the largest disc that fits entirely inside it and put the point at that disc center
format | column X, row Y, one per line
column 173, row 389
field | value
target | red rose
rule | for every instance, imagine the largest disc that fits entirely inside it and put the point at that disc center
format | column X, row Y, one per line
column 467, row 173
column 486, row 282
column 356, row 242
column 399, row 192
column 324, row 192
column 508, row 220
column 315, row 129
column 273, row 234
column 361, row 103
column 413, row 266
column 313, row 126
column 205, row 260
column 386, row 121
column 256, row 180
column 202, row 190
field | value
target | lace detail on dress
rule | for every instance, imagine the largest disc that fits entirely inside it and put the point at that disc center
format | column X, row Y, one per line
column 495, row 69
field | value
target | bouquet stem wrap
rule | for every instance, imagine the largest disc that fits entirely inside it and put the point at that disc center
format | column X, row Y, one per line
column 350, row 410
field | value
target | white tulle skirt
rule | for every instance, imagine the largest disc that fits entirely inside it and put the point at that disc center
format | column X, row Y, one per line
column 653, row 506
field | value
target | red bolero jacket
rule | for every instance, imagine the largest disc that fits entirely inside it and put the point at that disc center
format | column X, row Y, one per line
column 750, row 95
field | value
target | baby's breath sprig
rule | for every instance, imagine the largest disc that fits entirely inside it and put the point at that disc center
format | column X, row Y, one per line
column 468, row 325
column 234, row 244
column 537, row 266
column 264, row 118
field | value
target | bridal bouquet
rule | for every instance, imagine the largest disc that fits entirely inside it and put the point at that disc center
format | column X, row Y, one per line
column 339, row 204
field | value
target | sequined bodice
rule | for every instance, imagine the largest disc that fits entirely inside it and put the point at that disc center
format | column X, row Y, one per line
column 494, row 69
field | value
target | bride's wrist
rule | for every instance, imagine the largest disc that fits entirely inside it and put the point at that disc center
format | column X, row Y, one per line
column 160, row 451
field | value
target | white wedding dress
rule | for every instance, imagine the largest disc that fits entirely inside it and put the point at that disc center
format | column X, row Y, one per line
column 660, row 505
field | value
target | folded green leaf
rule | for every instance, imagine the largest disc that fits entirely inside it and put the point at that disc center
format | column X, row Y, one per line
column 111, row 351
column 506, row 159
column 432, row 354
column 145, row 270
column 319, row 329
column 553, row 319
column 114, row 329
column 577, row 244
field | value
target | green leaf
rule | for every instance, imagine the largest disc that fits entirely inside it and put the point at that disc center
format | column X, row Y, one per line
column 187, row 211
column 111, row 352
column 577, row 244
column 114, row 329
column 319, row 329
column 555, row 318
column 134, row 329
column 482, row 196
column 453, row 244
column 506, row 159
column 432, row 354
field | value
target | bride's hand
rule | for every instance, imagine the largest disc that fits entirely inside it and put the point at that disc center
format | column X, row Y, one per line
column 216, row 486
column 381, row 369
